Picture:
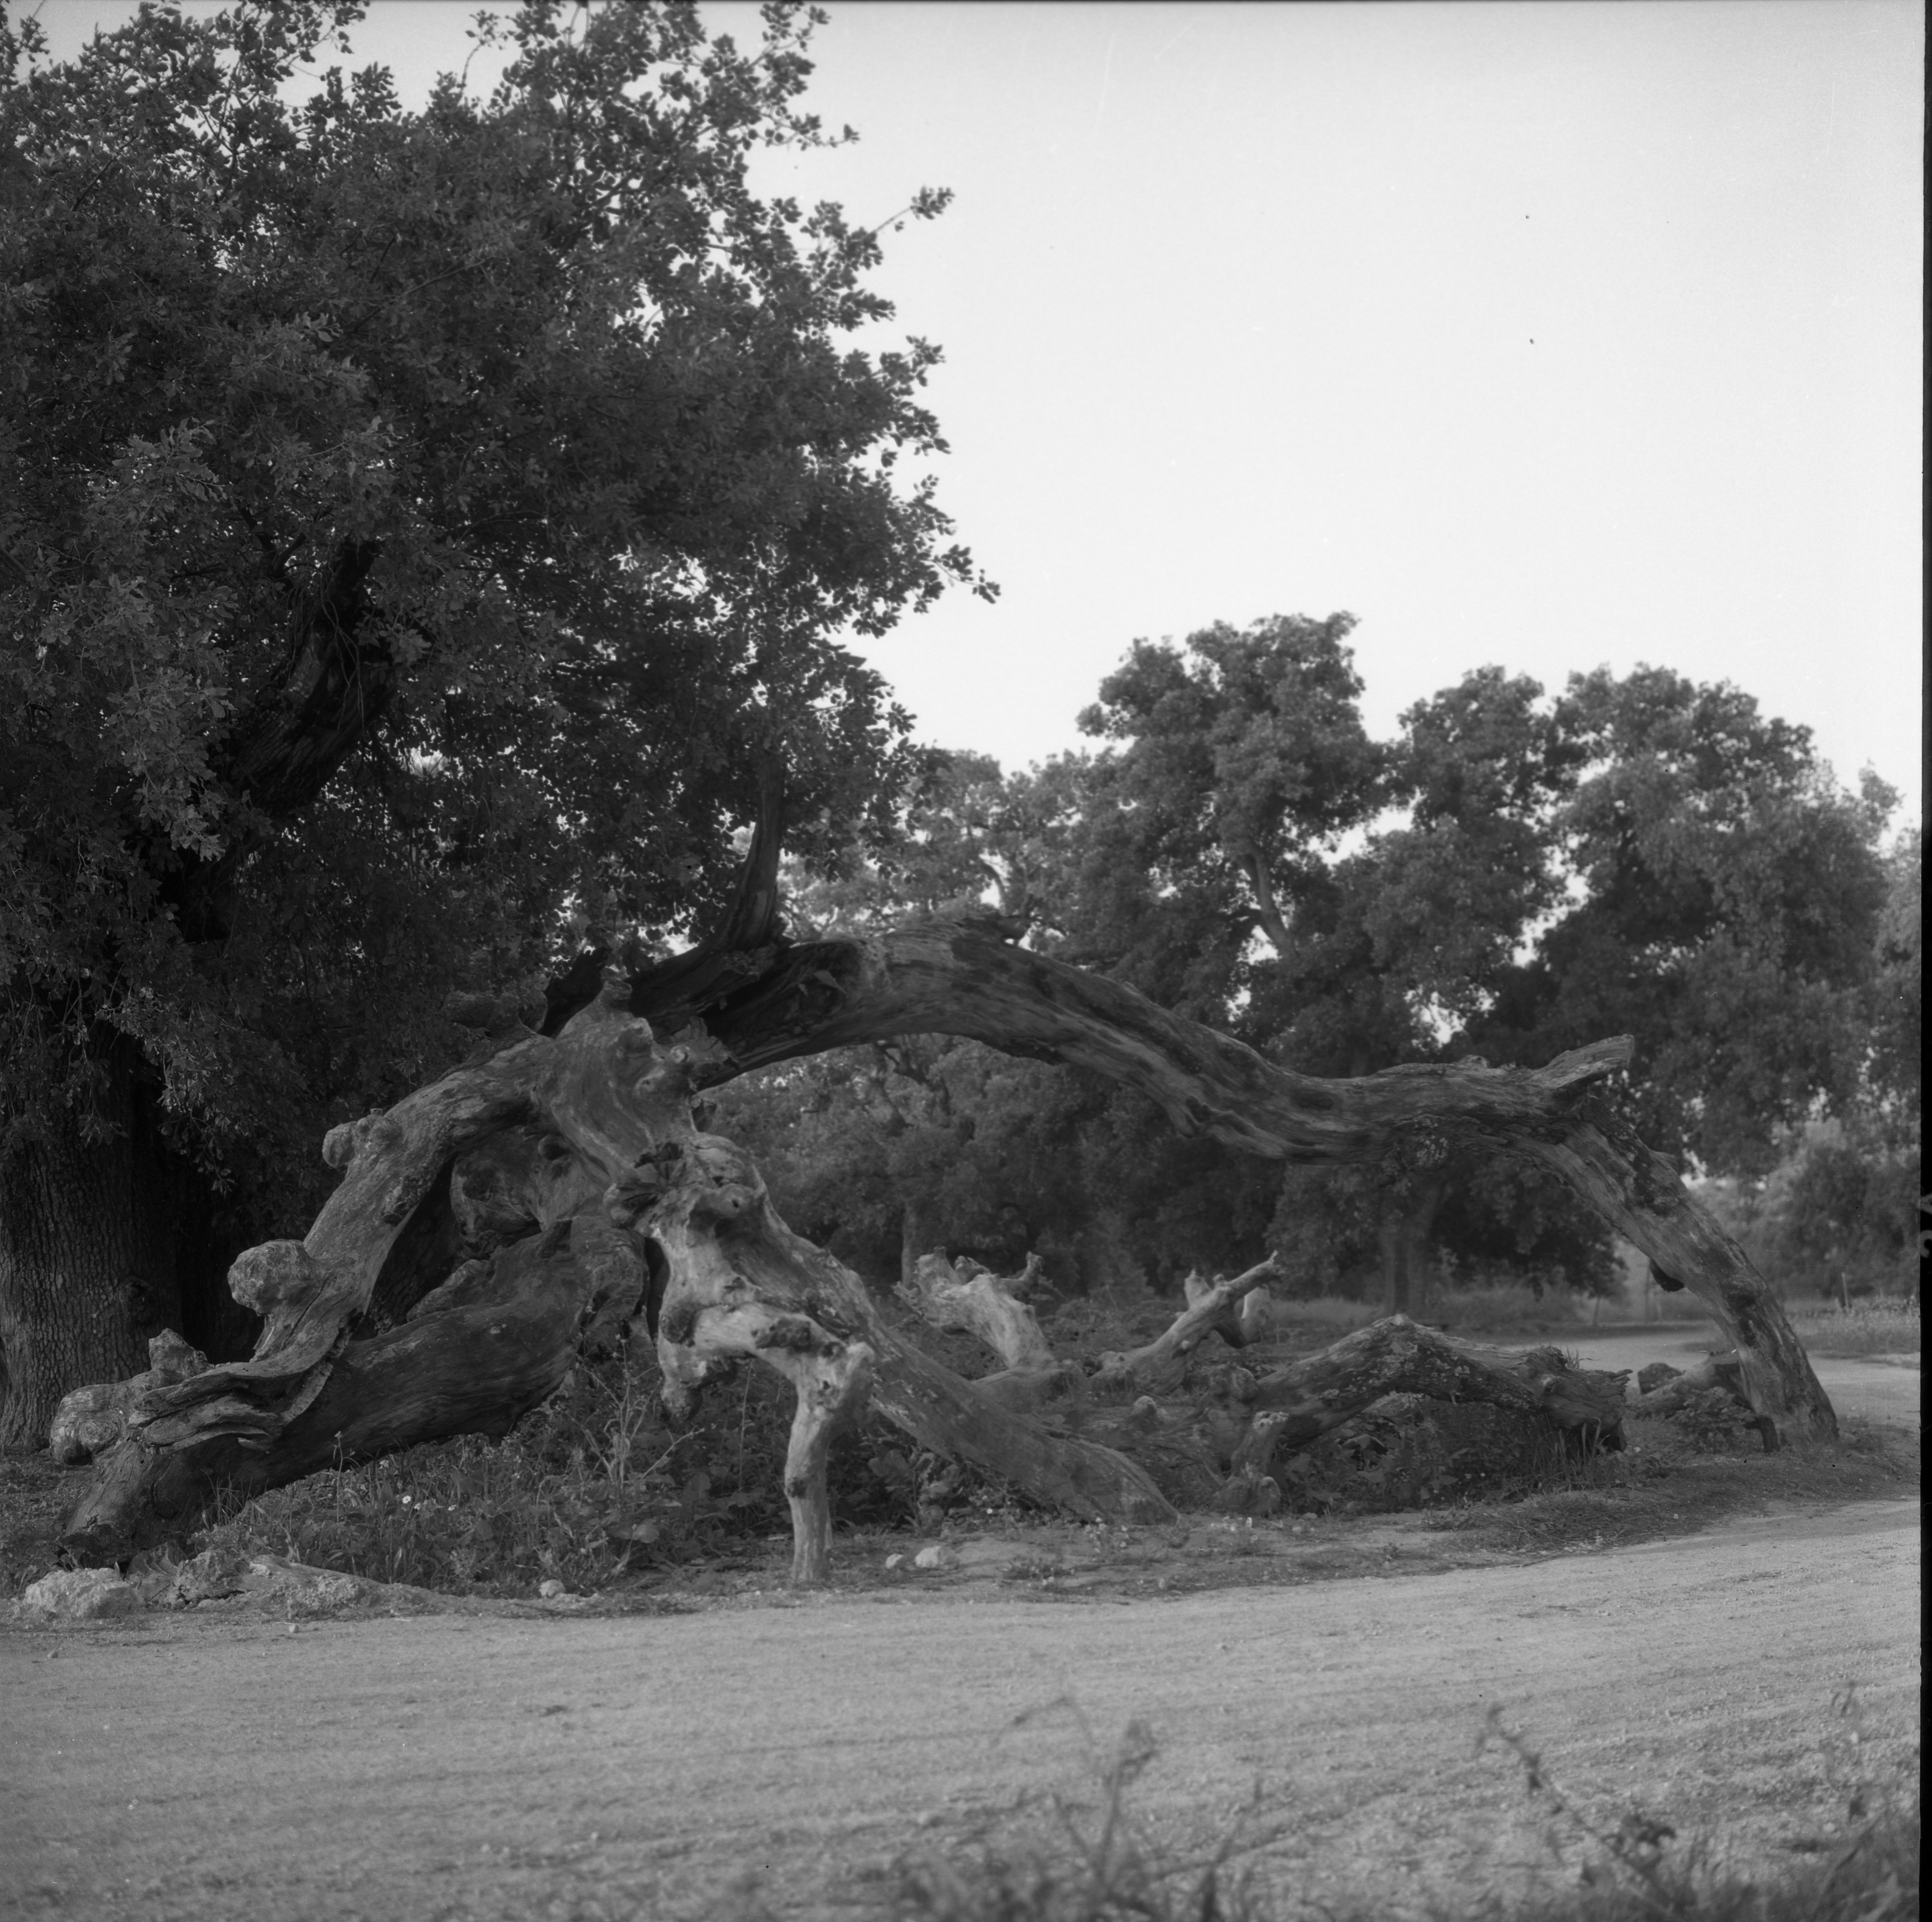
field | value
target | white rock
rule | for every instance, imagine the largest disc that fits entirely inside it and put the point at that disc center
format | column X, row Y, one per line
column 84, row 1595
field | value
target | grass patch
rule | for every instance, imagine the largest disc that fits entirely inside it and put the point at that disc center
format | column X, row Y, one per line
column 1333, row 1316
column 1504, row 1310
column 1888, row 1327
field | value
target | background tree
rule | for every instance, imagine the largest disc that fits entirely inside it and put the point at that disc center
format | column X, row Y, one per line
column 1727, row 903
column 414, row 528
column 1511, row 876
column 1839, row 1211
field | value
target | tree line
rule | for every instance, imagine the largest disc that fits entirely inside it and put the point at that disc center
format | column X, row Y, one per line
column 1512, row 875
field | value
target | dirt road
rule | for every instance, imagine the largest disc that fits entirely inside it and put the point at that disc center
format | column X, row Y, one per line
column 450, row 1768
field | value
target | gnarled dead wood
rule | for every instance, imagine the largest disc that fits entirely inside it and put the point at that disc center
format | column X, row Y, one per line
column 963, row 1296
column 586, row 1138
column 957, row 977
column 1294, row 1407
column 1719, row 1373
column 1213, row 1307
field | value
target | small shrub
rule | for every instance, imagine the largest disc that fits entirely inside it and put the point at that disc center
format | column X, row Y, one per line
column 589, row 1487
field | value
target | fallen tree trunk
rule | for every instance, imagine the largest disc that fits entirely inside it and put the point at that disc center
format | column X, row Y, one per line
column 1252, row 1418
column 586, row 1138
column 1293, row 1408
column 962, row 976
column 586, row 1131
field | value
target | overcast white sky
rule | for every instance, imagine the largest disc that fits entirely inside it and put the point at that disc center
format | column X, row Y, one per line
column 1549, row 334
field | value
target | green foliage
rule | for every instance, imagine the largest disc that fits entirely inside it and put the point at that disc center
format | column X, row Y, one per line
column 415, row 526
column 1727, row 895
column 1236, row 766
column 1511, row 874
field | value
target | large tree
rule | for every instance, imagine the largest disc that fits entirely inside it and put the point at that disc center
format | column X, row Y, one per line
column 1640, row 854
column 416, row 526
column 1724, row 908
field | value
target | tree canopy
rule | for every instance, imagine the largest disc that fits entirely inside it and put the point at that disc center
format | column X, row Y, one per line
column 1511, row 874
column 415, row 526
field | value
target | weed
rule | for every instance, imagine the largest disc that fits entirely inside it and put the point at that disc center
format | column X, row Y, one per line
column 1092, row 1864
column 1626, row 1868
column 1101, row 1863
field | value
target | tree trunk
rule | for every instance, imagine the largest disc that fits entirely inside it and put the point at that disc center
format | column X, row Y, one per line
column 1407, row 1219
column 589, row 1133
column 1296, row 1405
column 88, row 1269
column 589, row 1139
column 958, row 975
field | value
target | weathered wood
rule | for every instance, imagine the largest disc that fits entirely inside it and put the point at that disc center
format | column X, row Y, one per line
column 965, row 1296
column 1398, row 1356
column 1291, row 1409
column 1719, row 1372
column 751, row 1254
column 473, row 1367
column 1213, row 1307
column 956, row 976
column 91, row 1420
column 587, row 1137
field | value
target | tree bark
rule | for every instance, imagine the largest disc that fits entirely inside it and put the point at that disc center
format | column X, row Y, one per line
column 1296, row 1406
column 1213, row 1307
column 87, row 1270
column 963, row 1296
column 958, row 976
column 589, row 1137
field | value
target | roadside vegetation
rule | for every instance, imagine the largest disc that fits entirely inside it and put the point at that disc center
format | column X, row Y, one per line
column 1872, row 1326
column 594, row 1494
column 1097, row 1861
